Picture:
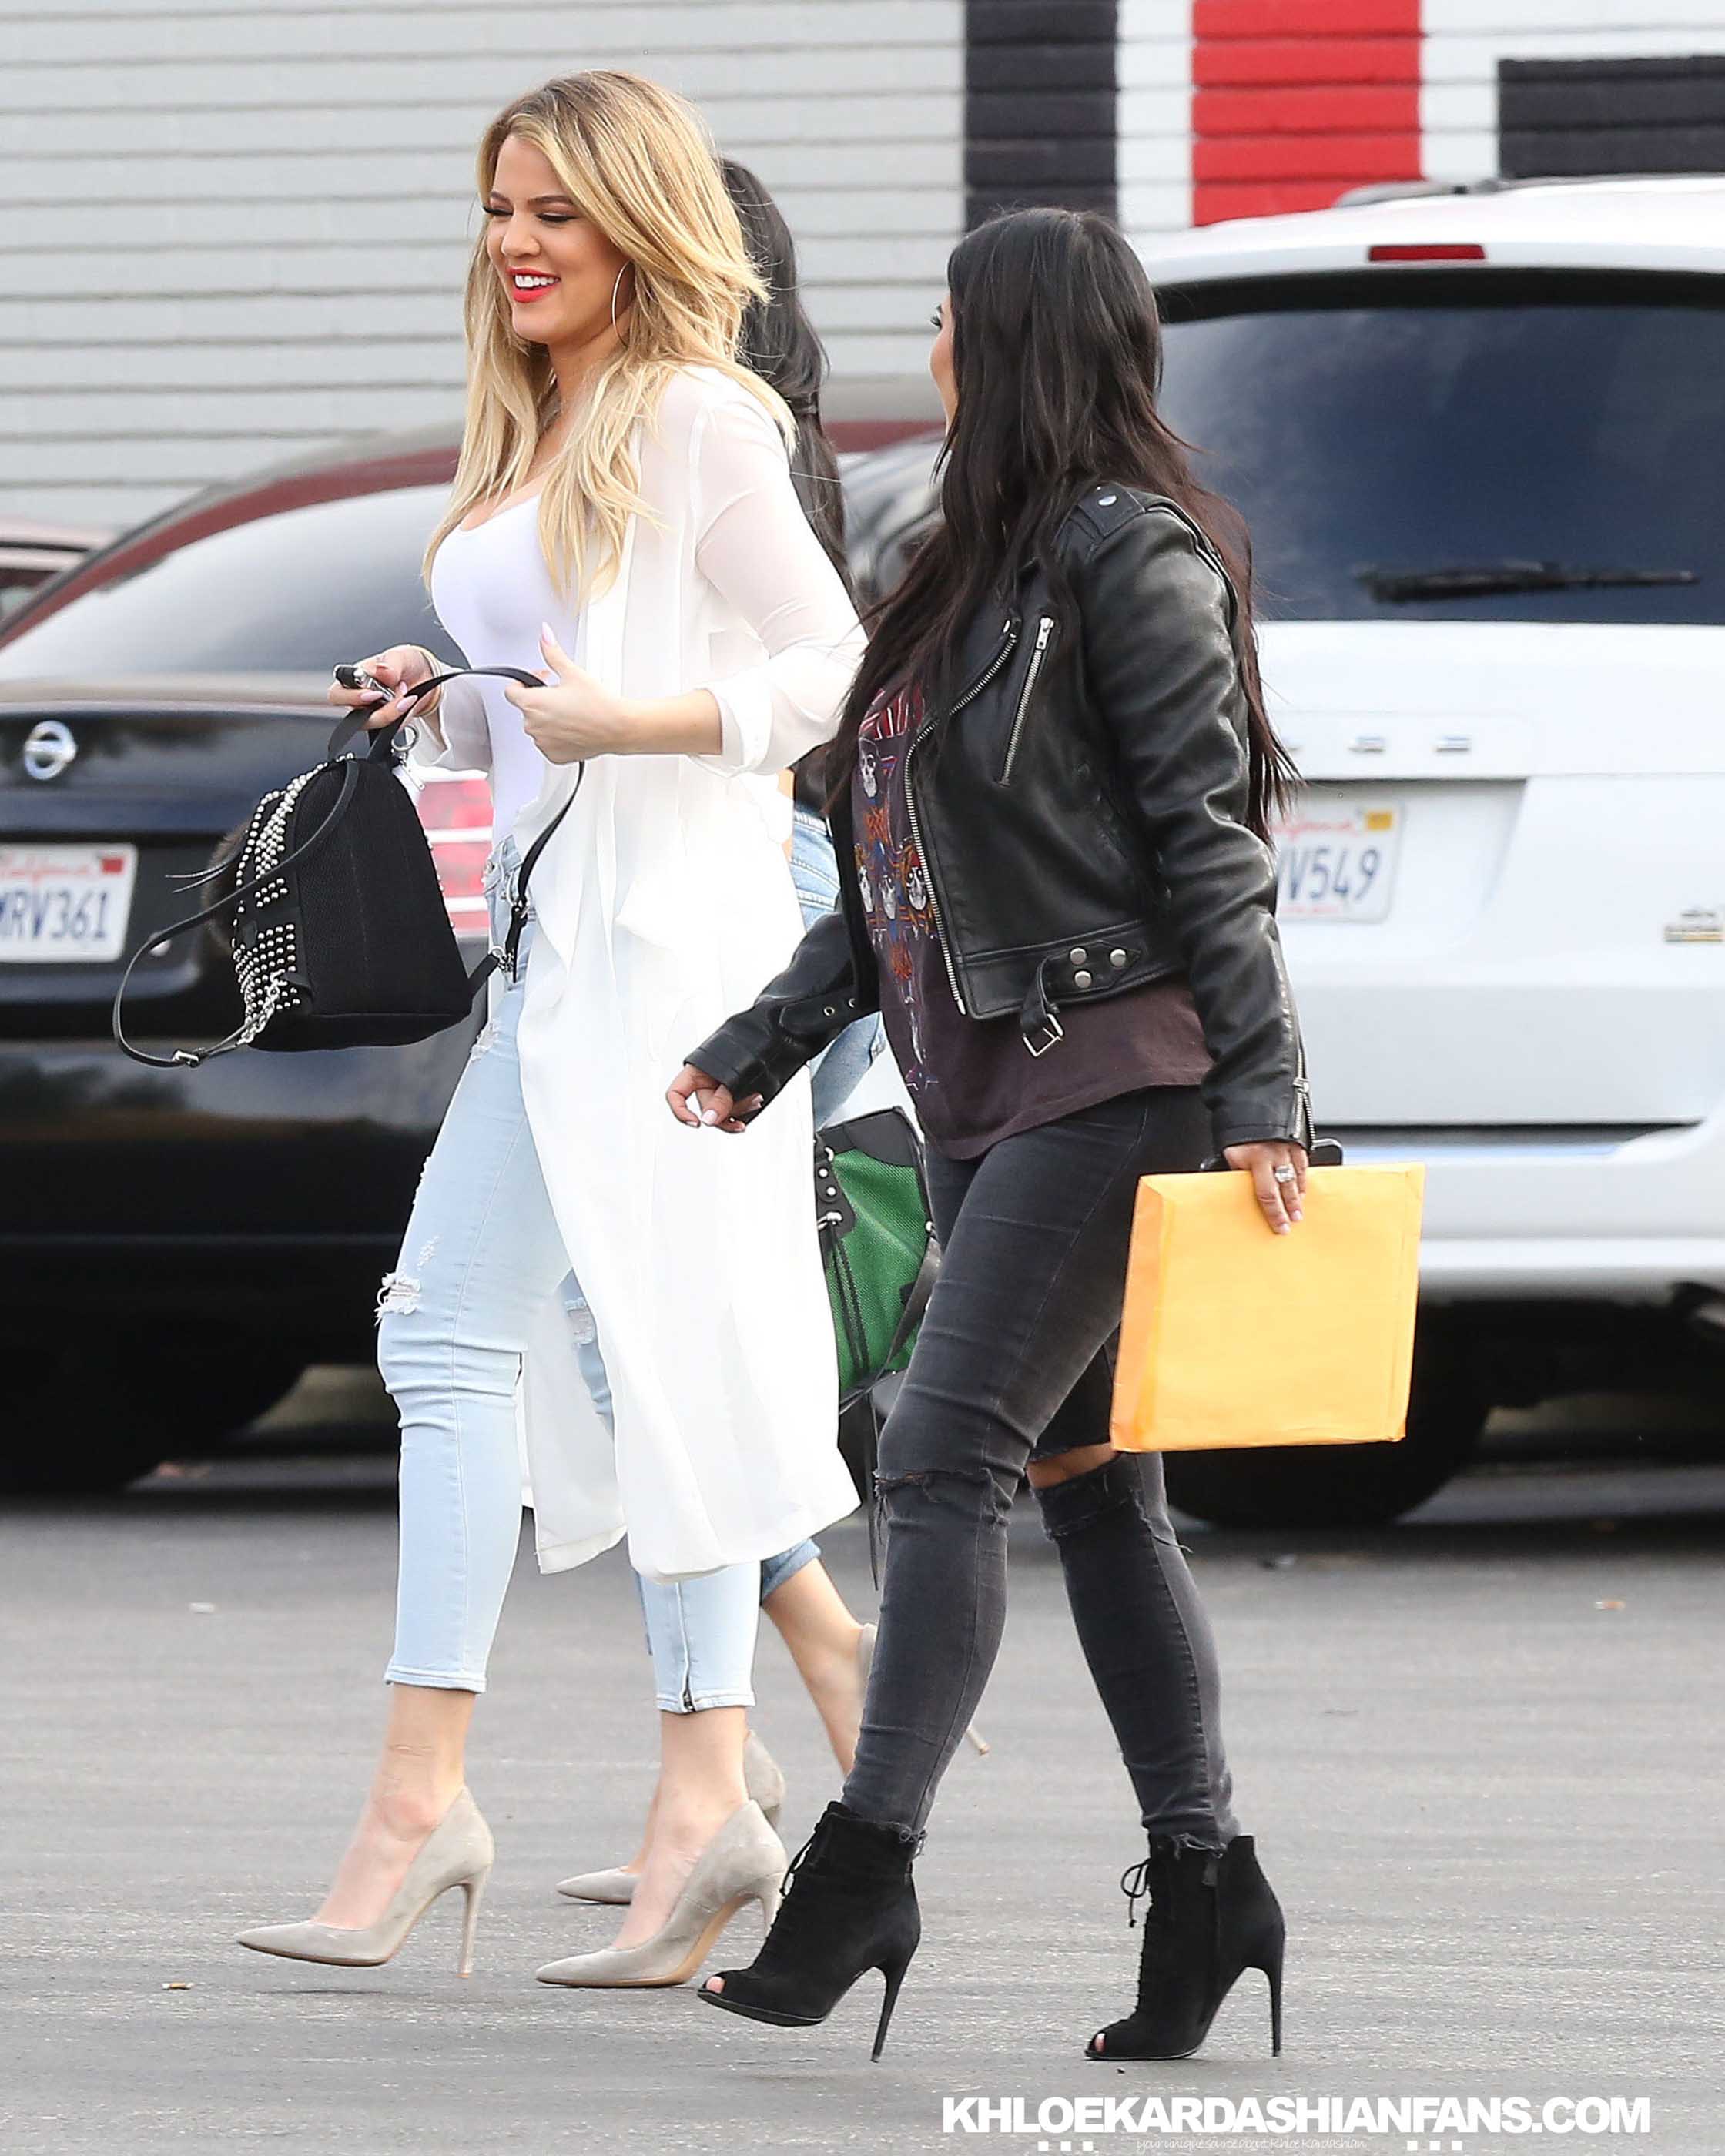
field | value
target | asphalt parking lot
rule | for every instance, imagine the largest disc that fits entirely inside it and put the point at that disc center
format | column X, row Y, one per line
column 1481, row 1754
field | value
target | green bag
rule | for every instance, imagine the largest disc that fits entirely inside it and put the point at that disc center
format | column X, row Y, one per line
column 877, row 1243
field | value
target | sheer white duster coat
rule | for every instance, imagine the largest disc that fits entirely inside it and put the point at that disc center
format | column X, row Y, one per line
column 665, row 902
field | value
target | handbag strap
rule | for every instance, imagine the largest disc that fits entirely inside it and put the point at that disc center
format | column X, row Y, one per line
column 915, row 1302
column 506, row 953
column 188, row 1058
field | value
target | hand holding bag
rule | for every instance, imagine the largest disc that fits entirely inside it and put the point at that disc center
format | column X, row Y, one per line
column 340, row 936
column 1233, row 1336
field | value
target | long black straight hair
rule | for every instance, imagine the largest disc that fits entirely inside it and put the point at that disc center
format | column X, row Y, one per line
column 1057, row 356
column 781, row 345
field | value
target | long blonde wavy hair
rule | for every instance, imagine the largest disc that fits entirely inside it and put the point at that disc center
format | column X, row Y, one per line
column 637, row 162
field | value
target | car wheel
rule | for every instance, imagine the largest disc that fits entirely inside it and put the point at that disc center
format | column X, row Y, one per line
column 1342, row 1486
column 80, row 1423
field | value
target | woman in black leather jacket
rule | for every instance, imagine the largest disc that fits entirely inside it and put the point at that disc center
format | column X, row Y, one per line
column 1057, row 777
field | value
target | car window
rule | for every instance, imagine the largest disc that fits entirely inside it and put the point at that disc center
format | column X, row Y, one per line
column 291, row 592
column 1413, row 421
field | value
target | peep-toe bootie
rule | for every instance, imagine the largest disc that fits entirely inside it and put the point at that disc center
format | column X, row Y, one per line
column 1210, row 1918
column 850, row 1906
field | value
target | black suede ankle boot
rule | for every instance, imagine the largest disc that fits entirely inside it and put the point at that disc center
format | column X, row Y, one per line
column 1210, row 1918
column 848, row 1906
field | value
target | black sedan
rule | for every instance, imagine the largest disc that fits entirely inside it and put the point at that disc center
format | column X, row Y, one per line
column 177, row 1246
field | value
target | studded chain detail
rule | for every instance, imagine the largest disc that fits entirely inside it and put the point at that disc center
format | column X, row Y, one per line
column 266, row 949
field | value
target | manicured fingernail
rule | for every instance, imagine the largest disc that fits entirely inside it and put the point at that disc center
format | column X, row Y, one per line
column 710, row 1116
column 1282, row 1227
column 547, row 635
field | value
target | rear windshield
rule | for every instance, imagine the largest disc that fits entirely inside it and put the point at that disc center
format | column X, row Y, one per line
column 1378, row 428
column 292, row 592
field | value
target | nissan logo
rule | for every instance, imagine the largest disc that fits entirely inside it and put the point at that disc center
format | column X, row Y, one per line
column 50, row 750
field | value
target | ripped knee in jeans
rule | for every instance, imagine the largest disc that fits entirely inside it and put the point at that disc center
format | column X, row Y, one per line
column 921, row 1478
column 938, row 1484
column 400, row 1292
column 1079, row 1501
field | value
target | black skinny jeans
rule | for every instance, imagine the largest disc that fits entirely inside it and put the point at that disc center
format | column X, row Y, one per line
column 1015, row 1362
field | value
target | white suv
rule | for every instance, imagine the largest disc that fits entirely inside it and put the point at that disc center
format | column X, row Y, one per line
column 1479, row 438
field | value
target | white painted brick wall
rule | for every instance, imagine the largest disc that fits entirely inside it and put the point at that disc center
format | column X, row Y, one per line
column 1155, row 117
column 1465, row 39
column 231, row 231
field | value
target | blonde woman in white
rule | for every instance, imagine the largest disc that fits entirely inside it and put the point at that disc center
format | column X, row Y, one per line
column 623, row 521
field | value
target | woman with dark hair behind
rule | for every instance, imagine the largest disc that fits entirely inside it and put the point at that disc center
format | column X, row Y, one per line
column 1056, row 779
column 784, row 347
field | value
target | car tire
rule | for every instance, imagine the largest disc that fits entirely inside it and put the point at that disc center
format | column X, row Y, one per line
column 82, row 1422
column 1342, row 1486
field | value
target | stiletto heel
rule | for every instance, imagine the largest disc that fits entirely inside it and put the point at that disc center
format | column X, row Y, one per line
column 1210, row 1919
column 850, row 1906
column 459, row 1852
column 895, row 1976
column 474, row 1890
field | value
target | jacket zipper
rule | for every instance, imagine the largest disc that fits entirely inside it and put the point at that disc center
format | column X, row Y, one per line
column 1009, row 646
column 1044, row 630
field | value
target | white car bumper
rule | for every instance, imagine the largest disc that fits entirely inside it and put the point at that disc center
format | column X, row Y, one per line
column 1597, row 1216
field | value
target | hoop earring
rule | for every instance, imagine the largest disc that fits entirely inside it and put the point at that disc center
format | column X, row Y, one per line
column 615, row 290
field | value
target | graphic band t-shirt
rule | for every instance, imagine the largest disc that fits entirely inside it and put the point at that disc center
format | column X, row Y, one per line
column 972, row 1081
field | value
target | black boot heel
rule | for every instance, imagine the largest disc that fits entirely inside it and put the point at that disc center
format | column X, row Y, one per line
column 848, row 1906
column 1210, row 1919
column 895, row 1976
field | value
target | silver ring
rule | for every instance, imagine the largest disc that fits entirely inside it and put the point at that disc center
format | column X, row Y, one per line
column 1285, row 1174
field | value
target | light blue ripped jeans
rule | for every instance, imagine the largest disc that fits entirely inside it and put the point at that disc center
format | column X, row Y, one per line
column 482, row 1255
column 683, row 1610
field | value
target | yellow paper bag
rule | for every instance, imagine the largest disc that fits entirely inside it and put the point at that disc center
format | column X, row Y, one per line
column 1234, row 1335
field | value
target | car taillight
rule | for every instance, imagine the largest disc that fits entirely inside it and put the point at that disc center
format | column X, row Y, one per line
column 1427, row 251
column 456, row 812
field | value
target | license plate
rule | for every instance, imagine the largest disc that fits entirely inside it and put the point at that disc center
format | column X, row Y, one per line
column 1337, row 863
column 60, row 904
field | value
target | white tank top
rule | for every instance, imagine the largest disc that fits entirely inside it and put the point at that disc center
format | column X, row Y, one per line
column 491, row 590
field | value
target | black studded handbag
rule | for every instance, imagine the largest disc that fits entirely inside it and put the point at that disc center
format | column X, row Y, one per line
column 339, row 935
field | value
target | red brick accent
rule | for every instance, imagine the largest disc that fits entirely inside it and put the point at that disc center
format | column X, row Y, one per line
column 1306, row 18
column 1378, row 109
column 1293, row 102
column 1225, row 63
column 1349, row 160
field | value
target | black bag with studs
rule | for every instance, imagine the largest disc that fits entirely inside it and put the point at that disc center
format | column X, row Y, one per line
column 340, row 937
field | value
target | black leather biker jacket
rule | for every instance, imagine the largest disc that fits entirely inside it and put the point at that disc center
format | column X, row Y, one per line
column 1080, row 807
